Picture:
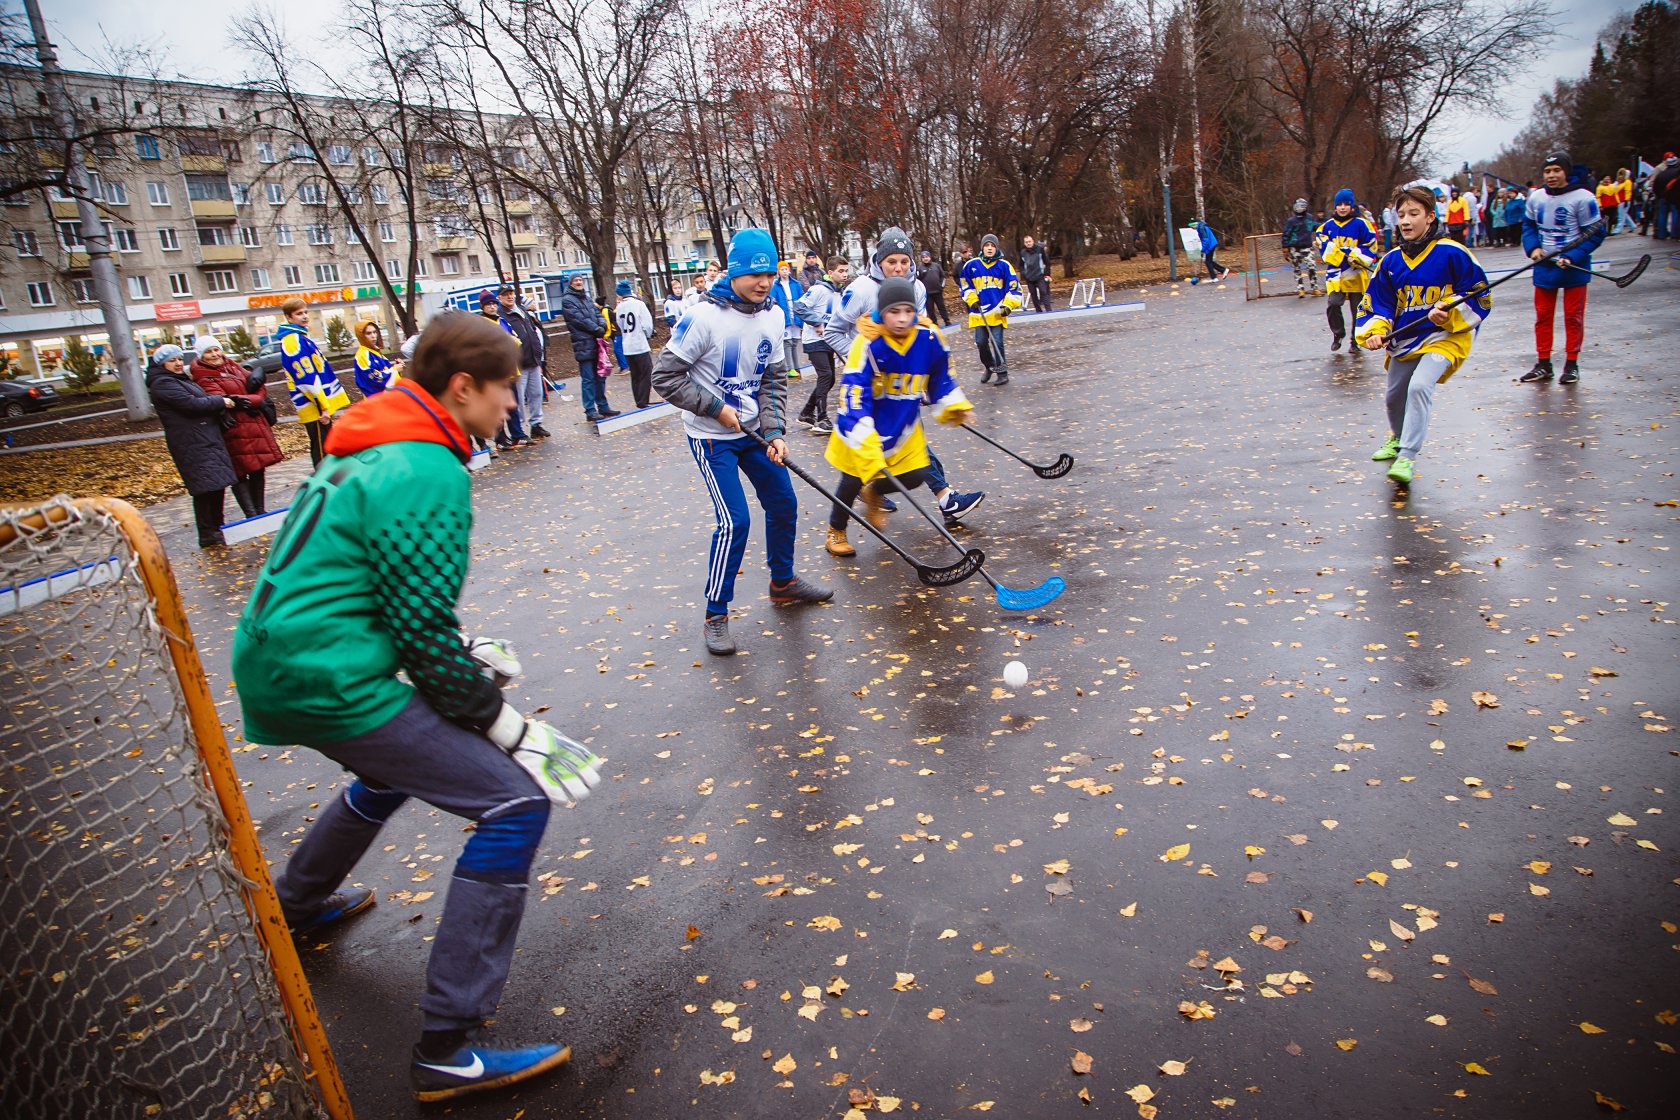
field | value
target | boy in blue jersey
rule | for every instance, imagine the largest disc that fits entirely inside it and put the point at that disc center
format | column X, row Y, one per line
column 1347, row 244
column 887, row 379
column 723, row 368
column 1552, row 218
column 314, row 387
column 1418, row 280
column 990, row 289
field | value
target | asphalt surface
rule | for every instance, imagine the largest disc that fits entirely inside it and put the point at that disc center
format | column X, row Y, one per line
column 1437, row 723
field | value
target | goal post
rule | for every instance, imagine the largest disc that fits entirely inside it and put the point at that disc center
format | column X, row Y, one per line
column 151, row 973
column 1088, row 292
column 1268, row 271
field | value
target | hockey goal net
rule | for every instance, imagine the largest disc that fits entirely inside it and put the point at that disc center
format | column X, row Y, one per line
column 148, row 970
column 1268, row 271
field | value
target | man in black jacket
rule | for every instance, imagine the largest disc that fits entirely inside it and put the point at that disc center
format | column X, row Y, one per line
column 528, row 391
column 1298, row 247
column 1035, row 272
column 585, row 325
column 933, row 279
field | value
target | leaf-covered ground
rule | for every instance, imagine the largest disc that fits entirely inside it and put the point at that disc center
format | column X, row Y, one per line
column 1320, row 801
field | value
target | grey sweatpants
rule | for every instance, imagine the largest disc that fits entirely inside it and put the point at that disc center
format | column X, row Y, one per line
column 420, row 753
column 1411, row 396
column 530, row 394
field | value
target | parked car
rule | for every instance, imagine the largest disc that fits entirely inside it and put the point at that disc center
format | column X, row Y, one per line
column 266, row 361
column 20, row 397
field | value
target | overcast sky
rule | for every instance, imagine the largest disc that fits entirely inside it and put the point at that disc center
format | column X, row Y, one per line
column 192, row 35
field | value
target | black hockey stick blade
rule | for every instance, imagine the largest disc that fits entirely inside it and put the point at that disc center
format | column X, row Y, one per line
column 953, row 573
column 1634, row 273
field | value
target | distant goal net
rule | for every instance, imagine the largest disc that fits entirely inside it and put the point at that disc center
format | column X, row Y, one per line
column 1267, row 271
column 148, row 971
column 1089, row 292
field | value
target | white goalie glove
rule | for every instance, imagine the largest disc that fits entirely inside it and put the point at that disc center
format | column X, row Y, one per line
column 500, row 663
column 565, row 769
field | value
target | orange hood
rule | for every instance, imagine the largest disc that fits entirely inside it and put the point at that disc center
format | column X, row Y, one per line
column 405, row 413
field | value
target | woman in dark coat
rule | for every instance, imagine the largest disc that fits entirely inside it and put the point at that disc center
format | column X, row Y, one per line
column 250, row 437
column 192, row 429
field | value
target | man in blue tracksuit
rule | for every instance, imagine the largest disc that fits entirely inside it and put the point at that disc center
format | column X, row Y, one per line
column 1555, row 215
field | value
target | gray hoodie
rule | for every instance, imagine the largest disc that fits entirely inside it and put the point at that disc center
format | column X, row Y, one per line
column 858, row 299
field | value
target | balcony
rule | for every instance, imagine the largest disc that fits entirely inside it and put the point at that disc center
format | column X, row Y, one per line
column 221, row 254
column 451, row 244
column 66, row 210
column 519, row 206
column 522, row 240
column 214, row 208
column 76, row 260
column 203, row 163
column 437, row 170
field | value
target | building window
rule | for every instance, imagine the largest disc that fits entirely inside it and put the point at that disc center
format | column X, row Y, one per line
column 318, row 235
column 259, row 280
column 299, row 150
column 441, row 190
column 82, row 289
column 147, row 146
column 221, row 280
column 209, row 188
column 472, row 263
column 578, row 257
column 265, row 151
column 41, row 295
column 370, row 156
column 380, row 195
column 326, row 274
column 126, row 241
column 180, row 284
column 230, row 148
column 522, row 260
column 139, row 288
column 387, row 232
column 28, row 245
column 167, row 239
column 363, row 270
column 393, row 269
column 282, row 235
column 70, row 237
column 250, row 236
column 542, row 259
column 449, row 264
column 338, row 153
column 353, row 194
column 157, row 194
column 294, row 276
column 421, row 268
column 242, row 194
column 623, row 255
column 215, row 235
column 452, row 225
column 311, row 194
column 116, row 193
column 276, row 193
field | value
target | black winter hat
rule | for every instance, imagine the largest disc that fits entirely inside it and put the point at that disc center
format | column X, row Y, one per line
column 892, row 240
column 895, row 290
column 1558, row 159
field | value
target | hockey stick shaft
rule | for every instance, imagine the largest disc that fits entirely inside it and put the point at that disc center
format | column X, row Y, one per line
column 944, row 532
column 1061, row 466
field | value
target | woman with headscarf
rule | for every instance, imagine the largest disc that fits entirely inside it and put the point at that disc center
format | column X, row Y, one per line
column 248, row 430
column 192, row 430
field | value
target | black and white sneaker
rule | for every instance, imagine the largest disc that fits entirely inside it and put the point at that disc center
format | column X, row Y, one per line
column 1571, row 372
column 539, row 432
column 1542, row 371
column 822, row 427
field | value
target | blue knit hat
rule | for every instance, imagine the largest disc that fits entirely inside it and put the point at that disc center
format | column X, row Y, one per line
column 1346, row 195
column 751, row 251
column 623, row 287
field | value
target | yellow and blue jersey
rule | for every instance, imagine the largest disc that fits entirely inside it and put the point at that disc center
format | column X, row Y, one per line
column 1404, row 289
column 1346, row 244
column 313, row 386
column 987, row 288
column 374, row 371
column 885, row 383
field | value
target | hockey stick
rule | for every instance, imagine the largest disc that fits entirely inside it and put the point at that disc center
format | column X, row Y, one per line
column 1062, row 465
column 1009, row 598
column 1483, row 288
column 932, row 576
column 1633, row 273
column 997, row 348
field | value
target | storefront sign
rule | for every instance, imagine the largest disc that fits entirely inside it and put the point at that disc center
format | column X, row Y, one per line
column 183, row 309
column 325, row 295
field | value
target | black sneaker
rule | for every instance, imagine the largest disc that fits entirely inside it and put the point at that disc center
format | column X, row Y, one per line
column 339, row 905
column 1571, row 372
column 1542, row 371
column 716, row 633
column 480, row 1064
column 539, row 432
column 609, row 413
column 592, row 417
column 1336, row 341
column 798, row 590
column 822, row 427
column 986, row 377
column 1002, row 377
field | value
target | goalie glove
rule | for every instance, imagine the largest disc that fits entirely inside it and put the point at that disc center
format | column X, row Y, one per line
column 500, row 663
column 564, row 768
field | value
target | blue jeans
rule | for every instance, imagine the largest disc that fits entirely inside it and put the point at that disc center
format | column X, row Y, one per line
column 593, row 388
column 722, row 462
column 1668, row 220
column 984, row 337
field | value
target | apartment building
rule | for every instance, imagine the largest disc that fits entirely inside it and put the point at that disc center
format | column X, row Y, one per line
column 217, row 216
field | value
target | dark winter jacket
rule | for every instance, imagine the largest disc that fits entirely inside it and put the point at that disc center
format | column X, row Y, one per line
column 1298, row 231
column 250, row 441
column 583, row 322
column 1035, row 264
column 811, row 274
column 192, row 430
column 932, row 277
column 531, row 343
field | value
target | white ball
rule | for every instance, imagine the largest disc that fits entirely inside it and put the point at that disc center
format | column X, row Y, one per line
column 1015, row 674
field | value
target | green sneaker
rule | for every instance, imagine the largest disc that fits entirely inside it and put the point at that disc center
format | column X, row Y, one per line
column 1401, row 471
column 1389, row 449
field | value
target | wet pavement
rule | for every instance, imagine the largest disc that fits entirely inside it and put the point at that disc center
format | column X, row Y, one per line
column 1353, row 803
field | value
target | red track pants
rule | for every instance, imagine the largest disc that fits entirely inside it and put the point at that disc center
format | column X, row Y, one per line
column 1574, row 320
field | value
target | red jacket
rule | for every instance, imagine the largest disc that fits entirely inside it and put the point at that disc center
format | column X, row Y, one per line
column 250, row 441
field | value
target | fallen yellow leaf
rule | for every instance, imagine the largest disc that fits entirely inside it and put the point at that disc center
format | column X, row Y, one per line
column 1129, row 911
column 1172, row 1069
column 905, row 981
column 984, row 978
column 1346, row 1043
column 1081, row 1062
column 785, row 1065
column 1588, row 1028
column 1476, row 1068
column 826, row 922
column 1142, row 1094
column 1377, row 877
column 1176, row 852
column 1438, row 1020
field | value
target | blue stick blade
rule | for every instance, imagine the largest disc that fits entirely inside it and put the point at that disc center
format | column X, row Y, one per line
column 1031, row 599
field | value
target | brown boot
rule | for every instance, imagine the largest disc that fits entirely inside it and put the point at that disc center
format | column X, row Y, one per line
column 838, row 545
column 873, row 511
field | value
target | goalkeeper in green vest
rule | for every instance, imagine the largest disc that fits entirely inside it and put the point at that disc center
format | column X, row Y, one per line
column 361, row 585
